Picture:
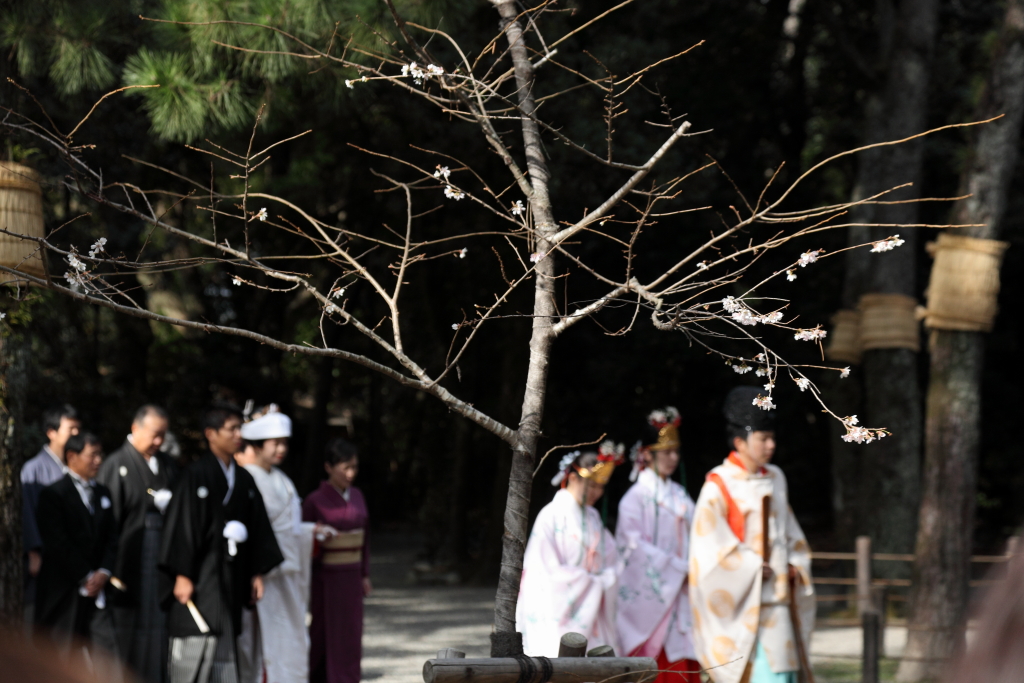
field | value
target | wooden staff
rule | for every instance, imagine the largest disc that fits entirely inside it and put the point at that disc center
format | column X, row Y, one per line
column 766, row 511
column 794, row 615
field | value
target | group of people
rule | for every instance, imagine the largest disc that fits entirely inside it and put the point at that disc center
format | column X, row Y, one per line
column 198, row 573
column 721, row 585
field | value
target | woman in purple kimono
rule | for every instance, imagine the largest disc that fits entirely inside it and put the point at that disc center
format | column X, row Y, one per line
column 340, row 569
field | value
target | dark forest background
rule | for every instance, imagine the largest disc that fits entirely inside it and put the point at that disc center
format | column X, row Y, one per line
column 765, row 98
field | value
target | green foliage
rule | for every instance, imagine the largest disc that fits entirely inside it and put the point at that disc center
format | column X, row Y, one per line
column 68, row 41
column 221, row 60
column 184, row 106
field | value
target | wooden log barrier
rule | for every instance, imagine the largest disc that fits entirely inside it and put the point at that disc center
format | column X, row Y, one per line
column 572, row 645
column 541, row 670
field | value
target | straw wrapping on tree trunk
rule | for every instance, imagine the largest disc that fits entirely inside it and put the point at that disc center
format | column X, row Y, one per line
column 844, row 345
column 964, row 286
column 21, row 212
column 888, row 321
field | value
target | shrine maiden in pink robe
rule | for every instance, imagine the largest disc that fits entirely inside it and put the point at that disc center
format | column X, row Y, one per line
column 653, row 534
column 570, row 570
column 653, row 602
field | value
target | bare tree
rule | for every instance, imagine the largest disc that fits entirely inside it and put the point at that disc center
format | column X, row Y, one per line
column 522, row 227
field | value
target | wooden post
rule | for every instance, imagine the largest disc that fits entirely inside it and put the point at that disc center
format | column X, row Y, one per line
column 1011, row 546
column 878, row 602
column 869, row 665
column 450, row 653
column 863, row 575
column 602, row 651
column 572, row 645
column 529, row 669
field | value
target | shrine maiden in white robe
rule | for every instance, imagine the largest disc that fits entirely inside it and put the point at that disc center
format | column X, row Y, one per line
column 283, row 638
column 653, row 534
column 732, row 610
column 570, row 573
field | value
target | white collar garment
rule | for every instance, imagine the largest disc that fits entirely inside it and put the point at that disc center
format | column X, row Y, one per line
column 154, row 464
column 343, row 493
column 83, row 487
column 60, row 463
column 229, row 474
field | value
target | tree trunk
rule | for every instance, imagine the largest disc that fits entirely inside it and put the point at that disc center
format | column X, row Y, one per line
column 939, row 594
column 890, row 469
column 12, row 390
column 504, row 643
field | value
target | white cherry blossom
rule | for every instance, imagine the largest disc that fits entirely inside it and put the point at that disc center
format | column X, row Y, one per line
column 763, row 402
column 803, row 383
column 887, row 244
column 810, row 335
column 808, row 257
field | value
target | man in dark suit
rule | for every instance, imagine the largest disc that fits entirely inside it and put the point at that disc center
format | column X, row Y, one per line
column 79, row 538
column 140, row 479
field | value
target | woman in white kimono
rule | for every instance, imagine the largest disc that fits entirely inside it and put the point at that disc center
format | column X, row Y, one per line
column 571, row 565
column 274, row 640
column 653, row 533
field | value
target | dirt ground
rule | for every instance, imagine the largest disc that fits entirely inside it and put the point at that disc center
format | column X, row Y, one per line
column 406, row 624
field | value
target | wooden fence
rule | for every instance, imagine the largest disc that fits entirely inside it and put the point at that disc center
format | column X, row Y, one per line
column 871, row 592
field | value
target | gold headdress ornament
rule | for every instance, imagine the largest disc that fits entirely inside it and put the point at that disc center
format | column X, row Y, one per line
column 609, row 455
column 667, row 423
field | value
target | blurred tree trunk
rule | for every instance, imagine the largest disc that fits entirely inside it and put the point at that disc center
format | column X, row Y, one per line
column 939, row 594
column 889, row 484
column 12, row 390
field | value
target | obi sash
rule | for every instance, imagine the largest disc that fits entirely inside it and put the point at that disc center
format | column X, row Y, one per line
column 345, row 548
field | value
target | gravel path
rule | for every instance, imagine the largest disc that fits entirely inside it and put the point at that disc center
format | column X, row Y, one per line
column 406, row 624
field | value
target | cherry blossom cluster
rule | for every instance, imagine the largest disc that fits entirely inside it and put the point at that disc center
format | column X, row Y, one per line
column 809, row 257
column 886, row 244
column 451, row 192
column 764, row 402
column 98, row 247
column 815, row 334
column 747, row 316
column 518, row 208
column 76, row 276
column 419, row 74
column 858, row 434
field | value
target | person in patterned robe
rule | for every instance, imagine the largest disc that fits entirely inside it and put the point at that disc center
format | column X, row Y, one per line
column 571, row 565
column 653, row 534
column 740, row 598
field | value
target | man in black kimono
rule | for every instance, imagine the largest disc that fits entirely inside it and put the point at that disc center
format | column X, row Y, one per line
column 140, row 477
column 217, row 543
column 79, row 540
